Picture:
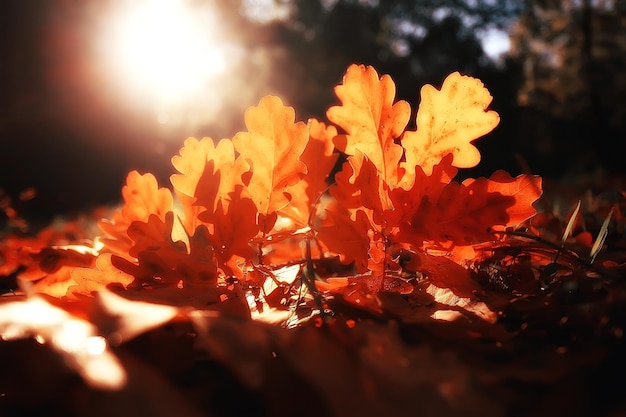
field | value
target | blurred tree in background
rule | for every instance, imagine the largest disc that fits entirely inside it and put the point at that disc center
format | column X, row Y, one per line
column 560, row 90
column 572, row 58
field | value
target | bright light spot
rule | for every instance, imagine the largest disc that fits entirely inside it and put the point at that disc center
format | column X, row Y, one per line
column 287, row 274
column 95, row 345
column 71, row 334
column 74, row 339
column 448, row 297
column 446, row 315
column 496, row 43
column 283, row 223
column 266, row 11
column 164, row 48
column 104, row 371
column 134, row 317
column 82, row 249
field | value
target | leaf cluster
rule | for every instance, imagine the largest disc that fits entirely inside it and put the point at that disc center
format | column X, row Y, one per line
column 362, row 190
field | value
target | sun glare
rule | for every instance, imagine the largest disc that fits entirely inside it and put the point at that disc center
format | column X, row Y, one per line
column 164, row 48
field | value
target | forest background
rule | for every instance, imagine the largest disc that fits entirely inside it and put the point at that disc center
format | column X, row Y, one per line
column 73, row 123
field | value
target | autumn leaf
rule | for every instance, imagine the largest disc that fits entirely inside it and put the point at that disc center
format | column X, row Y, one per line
column 90, row 280
column 525, row 188
column 230, row 233
column 358, row 187
column 464, row 214
column 142, row 198
column 347, row 238
column 444, row 273
column 272, row 147
column 154, row 233
column 448, row 120
column 223, row 175
column 208, row 174
column 371, row 120
column 319, row 158
column 190, row 163
column 355, row 184
column 425, row 189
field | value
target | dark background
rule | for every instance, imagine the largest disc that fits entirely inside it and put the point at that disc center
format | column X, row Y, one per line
column 69, row 133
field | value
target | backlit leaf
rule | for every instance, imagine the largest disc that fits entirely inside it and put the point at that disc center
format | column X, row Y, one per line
column 347, row 238
column 319, row 158
column 272, row 146
column 448, row 120
column 142, row 198
column 370, row 119
column 464, row 214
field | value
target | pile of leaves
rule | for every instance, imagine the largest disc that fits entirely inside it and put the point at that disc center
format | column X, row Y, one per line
column 337, row 257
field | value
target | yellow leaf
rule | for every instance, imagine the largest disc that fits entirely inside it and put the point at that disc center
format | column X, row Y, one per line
column 448, row 120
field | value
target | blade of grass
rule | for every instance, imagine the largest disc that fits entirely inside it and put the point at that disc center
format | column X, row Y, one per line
column 597, row 246
column 570, row 223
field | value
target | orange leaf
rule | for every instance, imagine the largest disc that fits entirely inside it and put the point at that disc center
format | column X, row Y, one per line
column 142, row 198
column 347, row 238
column 356, row 184
column 190, row 163
column 358, row 187
column 92, row 280
column 444, row 273
column 272, row 146
column 319, row 158
column 425, row 190
column 164, row 257
column 525, row 188
column 448, row 120
column 155, row 233
column 371, row 119
column 223, row 176
column 231, row 232
column 208, row 174
column 463, row 214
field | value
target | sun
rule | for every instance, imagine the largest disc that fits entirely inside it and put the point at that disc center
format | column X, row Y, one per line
column 162, row 49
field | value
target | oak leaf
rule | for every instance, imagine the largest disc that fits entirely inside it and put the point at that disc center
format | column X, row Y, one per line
column 370, row 119
column 425, row 189
column 90, row 280
column 448, row 120
column 142, row 198
column 320, row 157
column 208, row 174
column 272, row 147
column 347, row 238
column 465, row 214
column 356, row 185
column 525, row 188
column 190, row 163
column 231, row 232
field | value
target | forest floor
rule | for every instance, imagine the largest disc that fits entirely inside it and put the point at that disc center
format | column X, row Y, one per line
column 554, row 346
